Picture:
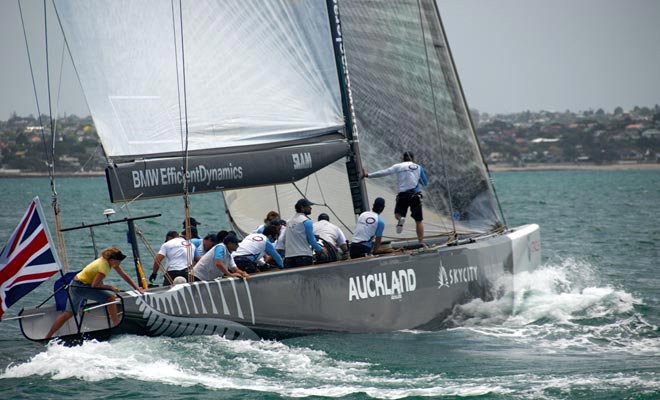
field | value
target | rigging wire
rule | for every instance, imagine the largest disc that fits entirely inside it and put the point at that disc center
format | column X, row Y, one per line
column 471, row 122
column 437, row 127
column 186, row 200
column 325, row 203
column 126, row 207
column 98, row 146
column 59, row 91
column 59, row 235
column 50, row 157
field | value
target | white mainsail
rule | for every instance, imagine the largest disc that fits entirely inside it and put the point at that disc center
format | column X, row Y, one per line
column 255, row 72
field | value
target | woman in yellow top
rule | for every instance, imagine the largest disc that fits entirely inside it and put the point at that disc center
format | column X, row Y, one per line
column 88, row 284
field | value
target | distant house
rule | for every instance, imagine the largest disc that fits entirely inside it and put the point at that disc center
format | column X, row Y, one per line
column 651, row 133
column 72, row 161
column 494, row 157
column 544, row 140
column 628, row 134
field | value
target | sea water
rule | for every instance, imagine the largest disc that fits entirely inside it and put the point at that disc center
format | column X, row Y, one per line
column 585, row 324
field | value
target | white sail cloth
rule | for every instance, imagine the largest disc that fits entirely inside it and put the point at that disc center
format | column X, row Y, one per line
column 255, row 72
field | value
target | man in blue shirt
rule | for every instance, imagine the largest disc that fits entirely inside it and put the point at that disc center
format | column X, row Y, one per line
column 299, row 240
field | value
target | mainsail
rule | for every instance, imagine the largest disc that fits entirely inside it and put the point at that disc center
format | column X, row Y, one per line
column 259, row 76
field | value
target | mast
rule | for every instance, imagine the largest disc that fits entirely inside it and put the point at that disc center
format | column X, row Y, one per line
column 354, row 162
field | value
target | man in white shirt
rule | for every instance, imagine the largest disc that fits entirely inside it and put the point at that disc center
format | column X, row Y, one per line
column 254, row 247
column 179, row 253
column 330, row 234
column 410, row 178
column 368, row 231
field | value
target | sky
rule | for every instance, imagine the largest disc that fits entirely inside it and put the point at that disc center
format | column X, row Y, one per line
column 511, row 56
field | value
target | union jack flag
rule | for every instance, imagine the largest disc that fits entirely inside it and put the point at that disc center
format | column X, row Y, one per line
column 27, row 259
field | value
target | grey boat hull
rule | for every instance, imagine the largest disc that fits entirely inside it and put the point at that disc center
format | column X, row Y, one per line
column 414, row 290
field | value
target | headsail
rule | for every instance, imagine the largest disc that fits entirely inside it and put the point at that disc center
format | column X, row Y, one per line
column 406, row 97
column 27, row 259
column 259, row 76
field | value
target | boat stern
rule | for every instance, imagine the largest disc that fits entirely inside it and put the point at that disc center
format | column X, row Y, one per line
column 525, row 247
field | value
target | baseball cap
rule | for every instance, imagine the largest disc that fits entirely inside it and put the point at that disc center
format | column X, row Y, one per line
column 118, row 255
column 324, row 217
column 379, row 202
column 230, row 239
column 303, row 203
column 193, row 222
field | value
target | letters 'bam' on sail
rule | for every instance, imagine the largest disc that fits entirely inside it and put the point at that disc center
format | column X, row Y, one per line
column 27, row 259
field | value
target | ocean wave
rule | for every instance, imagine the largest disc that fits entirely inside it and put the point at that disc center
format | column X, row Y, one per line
column 563, row 306
column 214, row 364
column 219, row 364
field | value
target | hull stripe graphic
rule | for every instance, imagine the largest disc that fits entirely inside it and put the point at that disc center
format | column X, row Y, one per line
column 159, row 323
column 247, row 287
column 201, row 299
column 225, row 309
column 238, row 304
column 208, row 289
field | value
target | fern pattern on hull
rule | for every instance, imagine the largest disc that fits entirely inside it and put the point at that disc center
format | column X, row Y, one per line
column 192, row 309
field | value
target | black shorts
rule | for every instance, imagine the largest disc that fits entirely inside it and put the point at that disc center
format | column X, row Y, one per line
column 298, row 261
column 412, row 200
column 331, row 256
column 175, row 273
column 246, row 264
column 358, row 250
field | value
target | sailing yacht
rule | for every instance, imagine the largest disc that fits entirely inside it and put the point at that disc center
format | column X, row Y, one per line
column 270, row 101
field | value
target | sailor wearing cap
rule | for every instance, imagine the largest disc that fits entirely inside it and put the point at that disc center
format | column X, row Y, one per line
column 370, row 227
column 88, row 284
column 217, row 262
column 299, row 240
column 193, row 228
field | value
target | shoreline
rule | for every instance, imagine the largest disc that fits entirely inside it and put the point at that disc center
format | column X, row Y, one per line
column 575, row 167
column 17, row 174
column 491, row 167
